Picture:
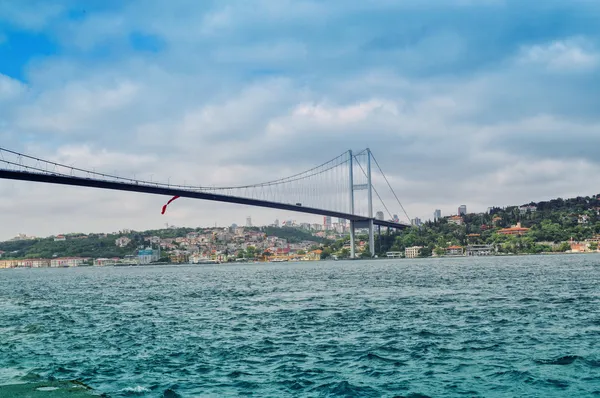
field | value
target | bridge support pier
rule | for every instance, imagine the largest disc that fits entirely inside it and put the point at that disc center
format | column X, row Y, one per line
column 371, row 238
column 352, row 242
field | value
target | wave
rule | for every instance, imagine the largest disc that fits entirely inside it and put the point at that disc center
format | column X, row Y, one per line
column 137, row 390
column 565, row 360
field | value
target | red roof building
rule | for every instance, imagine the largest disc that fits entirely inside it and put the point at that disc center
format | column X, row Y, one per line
column 514, row 230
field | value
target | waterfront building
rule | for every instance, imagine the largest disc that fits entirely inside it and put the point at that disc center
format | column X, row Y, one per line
column 101, row 262
column 67, row 262
column 148, row 256
column 179, row 258
column 9, row 263
column 480, row 250
column 455, row 251
column 578, row 247
column 35, row 263
column 412, row 252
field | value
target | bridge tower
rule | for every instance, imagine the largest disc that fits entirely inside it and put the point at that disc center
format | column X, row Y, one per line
column 369, row 187
column 352, row 243
column 370, row 204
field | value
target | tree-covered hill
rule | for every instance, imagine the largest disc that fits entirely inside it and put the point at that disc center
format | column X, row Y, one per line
column 550, row 223
column 103, row 246
column 95, row 246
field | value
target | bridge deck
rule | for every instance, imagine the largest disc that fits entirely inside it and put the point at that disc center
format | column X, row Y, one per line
column 162, row 190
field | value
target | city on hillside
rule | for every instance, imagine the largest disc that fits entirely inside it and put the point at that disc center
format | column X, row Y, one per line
column 556, row 226
column 288, row 241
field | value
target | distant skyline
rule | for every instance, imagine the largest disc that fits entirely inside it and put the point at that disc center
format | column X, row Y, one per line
column 489, row 103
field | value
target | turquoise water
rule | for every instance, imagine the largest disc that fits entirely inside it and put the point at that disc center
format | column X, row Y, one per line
column 495, row 327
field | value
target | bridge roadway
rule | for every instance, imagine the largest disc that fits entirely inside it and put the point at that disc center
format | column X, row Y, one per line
column 162, row 190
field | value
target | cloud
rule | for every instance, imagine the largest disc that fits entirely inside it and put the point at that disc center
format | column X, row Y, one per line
column 76, row 108
column 570, row 55
column 30, row 14
column 460, row 101
column 10, row 88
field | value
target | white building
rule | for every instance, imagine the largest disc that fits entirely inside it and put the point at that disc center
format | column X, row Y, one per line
column 412, row 252
column 379, row 216
column 122, row 241
column 527, row 208
column 480, row 250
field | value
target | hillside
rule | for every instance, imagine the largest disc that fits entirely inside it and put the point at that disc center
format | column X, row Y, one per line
column 103, row 245
column 551, row 224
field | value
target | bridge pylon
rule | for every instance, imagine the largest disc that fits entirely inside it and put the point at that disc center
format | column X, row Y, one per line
column 370, row 196
column 369, row 187
column 352, row 230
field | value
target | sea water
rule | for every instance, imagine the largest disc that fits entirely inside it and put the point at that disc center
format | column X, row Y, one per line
column 473, row 327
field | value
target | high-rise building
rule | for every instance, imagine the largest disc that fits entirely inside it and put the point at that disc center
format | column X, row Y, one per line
column 462, row 210
column 395, row 218
column 327, row 223
column 437, row 214
column 379, row 215
column 342, row 222
column 276, row 222
column 416, row 222
column 248, row 221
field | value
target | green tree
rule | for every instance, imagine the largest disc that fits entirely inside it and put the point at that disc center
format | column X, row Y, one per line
column 439, row 251
column 251, row 252
column 344, row 253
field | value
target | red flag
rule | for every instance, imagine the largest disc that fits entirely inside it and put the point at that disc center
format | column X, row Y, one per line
column 164, row 208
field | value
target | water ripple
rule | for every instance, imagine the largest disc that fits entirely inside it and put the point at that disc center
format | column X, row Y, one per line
column 496, row 327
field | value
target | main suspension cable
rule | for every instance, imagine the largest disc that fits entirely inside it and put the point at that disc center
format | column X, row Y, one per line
column 375, row 190
column 390, row 186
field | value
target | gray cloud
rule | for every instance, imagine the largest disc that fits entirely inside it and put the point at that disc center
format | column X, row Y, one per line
column 492, row 110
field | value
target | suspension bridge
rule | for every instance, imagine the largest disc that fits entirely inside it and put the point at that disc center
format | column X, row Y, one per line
column 342, row 187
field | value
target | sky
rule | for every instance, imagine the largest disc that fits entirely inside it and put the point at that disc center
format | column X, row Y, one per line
column 476, row 102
